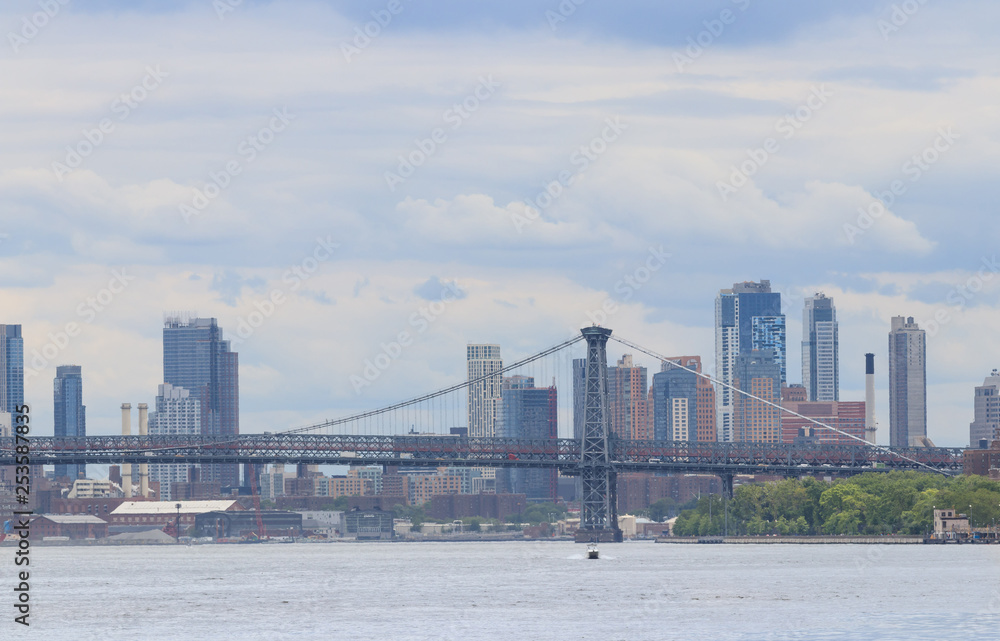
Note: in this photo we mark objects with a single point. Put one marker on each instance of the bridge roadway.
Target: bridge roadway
(432, 451)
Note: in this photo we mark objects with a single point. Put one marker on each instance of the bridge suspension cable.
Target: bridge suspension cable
(433, 395)
(716, 381)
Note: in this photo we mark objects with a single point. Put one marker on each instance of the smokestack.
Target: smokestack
(127, 467)
(143, 467)
(870, 427)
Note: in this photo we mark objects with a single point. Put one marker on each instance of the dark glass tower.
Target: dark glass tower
(528, 412)
(196, 358)
(70, 413)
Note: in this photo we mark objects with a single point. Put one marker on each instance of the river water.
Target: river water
(511, 590)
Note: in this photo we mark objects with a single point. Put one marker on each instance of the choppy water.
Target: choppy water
(466, 591)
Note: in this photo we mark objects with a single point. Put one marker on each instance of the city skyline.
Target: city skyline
(493, 363)
(322, 272)
(353, 262)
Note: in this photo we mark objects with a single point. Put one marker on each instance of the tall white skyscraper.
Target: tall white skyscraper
(747, 317)
(484, 396)
(177, 413)
(907, 383)
(820, 349)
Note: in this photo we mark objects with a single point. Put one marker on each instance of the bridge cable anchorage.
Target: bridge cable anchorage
(881, 448)
(442, 392)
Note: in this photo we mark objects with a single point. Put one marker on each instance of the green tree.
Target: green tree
(661, 510)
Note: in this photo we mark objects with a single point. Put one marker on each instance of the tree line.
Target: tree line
(871, 503)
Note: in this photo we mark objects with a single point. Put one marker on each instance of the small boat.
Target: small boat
(592, 552)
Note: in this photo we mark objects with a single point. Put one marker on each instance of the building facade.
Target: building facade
(70, 413)
(907, 383)
(528, 412)
(177, 413)
(986, 422)
(754, 420)
(196, 357)
(846, 416)
(747, 317)
(681, 403)
(627, 396)
(11, 368)
(484, 396)
(820, 349)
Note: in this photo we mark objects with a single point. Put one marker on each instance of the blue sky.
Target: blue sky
(313, 136)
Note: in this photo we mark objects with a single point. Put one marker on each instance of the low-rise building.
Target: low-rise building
(72, 526)
(326, 523)
(369, 524)
(489, 506)
(94, 489)
(980, 461)
(949, 524)
(156, 514)
(240, 524)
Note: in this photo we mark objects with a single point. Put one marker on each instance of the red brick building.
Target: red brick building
(982, 462)
(639, 490)
(73, 526)
(490, 506)
(846, 416)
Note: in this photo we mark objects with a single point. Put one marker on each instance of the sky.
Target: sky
(314, 174)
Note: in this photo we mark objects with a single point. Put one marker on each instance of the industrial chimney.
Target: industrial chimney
(143, 467)
(127, 467)
(870, 427)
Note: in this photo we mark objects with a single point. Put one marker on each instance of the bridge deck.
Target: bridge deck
(563, 454)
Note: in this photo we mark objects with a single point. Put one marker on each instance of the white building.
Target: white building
(177, 413)
(94, 489)
(484, 396)
(272, 484)
(986, 424)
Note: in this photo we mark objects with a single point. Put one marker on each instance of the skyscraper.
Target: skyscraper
(747, 317)
(176, 413)
(579, 395)
(759, 373)
(820, 349)
(196, 358)
(484, 397)
(986, 423)
(70, 413)
(907, 383)
(528, 412)
(11, 368)
(627, 394)
(681, 403)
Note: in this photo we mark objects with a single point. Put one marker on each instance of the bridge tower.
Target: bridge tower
(599, 509)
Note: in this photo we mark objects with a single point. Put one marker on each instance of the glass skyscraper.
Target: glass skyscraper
(528, 412)
(70, 413)
(820, 349)
(747, 317)
(196, 357)
(11, 368)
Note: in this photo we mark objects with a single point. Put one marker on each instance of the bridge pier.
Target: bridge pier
(727, 485)
(598, 504)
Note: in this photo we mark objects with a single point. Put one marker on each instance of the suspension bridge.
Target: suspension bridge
(418, 433)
